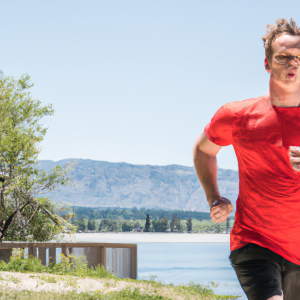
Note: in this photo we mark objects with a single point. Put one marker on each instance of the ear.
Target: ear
(267, 67)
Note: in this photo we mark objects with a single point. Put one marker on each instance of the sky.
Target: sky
(136, 81)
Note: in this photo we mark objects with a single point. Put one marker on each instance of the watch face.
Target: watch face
(216, 202)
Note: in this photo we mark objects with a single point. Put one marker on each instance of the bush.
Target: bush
(71, 265)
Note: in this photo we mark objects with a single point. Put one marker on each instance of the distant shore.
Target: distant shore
(143, 237)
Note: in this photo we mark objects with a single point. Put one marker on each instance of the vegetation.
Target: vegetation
(189, 225)
(161, 226)
(117, 220)
(125, 294)
(148, 224)
(25, 214)
(69, 270)
(135, 214)
(174, 225)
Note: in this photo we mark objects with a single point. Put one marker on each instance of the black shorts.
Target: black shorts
(263, 273)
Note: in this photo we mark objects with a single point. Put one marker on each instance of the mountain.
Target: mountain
(106, 184)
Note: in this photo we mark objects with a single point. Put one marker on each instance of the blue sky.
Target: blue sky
(136, 81)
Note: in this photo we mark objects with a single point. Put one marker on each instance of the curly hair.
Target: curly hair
(282, 27)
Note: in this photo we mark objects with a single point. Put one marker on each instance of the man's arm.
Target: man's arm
(206, 167)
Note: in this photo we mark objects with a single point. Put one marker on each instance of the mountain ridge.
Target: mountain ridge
(113, 184)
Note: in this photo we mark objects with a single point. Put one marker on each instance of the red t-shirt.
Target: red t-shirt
(268, 205)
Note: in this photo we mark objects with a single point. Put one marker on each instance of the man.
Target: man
(265, 134)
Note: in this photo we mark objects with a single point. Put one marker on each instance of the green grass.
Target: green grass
(122, 295)
(70, 269)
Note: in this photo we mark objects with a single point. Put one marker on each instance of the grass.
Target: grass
(71, 269)
(122, 295)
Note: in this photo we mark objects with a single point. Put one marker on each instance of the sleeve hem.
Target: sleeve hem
(212, 139)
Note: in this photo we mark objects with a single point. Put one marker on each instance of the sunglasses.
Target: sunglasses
(284, 59)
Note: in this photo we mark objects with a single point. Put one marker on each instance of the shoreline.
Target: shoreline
(149, 237)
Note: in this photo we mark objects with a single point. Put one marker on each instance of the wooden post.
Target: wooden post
(64, 251)
(32, 251)
(5, 254)
(52, 255)
(22, 253)
(70, 253)
(42, 255)
(133, 262)
(103, 257)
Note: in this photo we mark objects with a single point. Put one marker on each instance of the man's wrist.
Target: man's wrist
(213, 201)
(216, 202)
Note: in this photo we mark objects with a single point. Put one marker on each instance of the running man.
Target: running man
(265, 134)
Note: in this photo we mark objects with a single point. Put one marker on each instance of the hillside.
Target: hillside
(100, 183)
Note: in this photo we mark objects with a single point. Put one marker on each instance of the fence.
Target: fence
(121, 259)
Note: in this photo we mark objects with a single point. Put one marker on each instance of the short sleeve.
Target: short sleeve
(219, 129)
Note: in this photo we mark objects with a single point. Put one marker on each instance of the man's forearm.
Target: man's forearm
(207, 171)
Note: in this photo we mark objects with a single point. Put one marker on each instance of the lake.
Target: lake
(177, 262)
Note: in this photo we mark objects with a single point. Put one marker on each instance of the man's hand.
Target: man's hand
(295, 158)
(220, 210)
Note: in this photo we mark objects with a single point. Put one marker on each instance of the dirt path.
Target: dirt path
(58, 283)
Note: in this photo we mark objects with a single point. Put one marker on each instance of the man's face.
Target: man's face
(286, 75)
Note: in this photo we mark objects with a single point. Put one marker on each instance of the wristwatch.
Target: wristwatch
(215, 203)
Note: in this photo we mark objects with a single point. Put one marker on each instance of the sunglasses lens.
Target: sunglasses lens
(282, 59)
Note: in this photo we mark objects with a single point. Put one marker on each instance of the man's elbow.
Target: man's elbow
(203, 146)
(199, 155)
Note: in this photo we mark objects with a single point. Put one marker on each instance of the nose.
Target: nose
(294, 62)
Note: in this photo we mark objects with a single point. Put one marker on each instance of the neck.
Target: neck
(283, 96)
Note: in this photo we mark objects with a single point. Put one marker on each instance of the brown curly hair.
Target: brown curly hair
(282, 27)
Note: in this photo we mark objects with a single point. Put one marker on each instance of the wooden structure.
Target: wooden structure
(122, 258)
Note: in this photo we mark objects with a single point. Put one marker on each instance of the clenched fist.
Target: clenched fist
(295, 158)
(220, 210)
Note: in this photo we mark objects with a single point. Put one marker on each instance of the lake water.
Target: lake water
(180, 259)
(179, 263)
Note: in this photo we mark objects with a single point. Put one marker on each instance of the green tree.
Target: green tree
(227, 225)
(110, 225)
(172, 223)
(81, 225)
(177, 224)
(25, 214)
(218, 228)
(189, 225)
(156, 226)
(160, 226)
(164, 224)
(91, 224)
(136, 224)
(148, 224)
(126, 226)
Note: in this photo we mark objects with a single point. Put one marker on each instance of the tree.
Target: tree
(177, 224)
(156, 226)
(137, 225)
(25, 214)
(172, 223)
(126, 226)
(148, 224)
(109, 225)
(189, 225)
(164, 224)
(160, 226)
(91, 224)
(227, 225)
